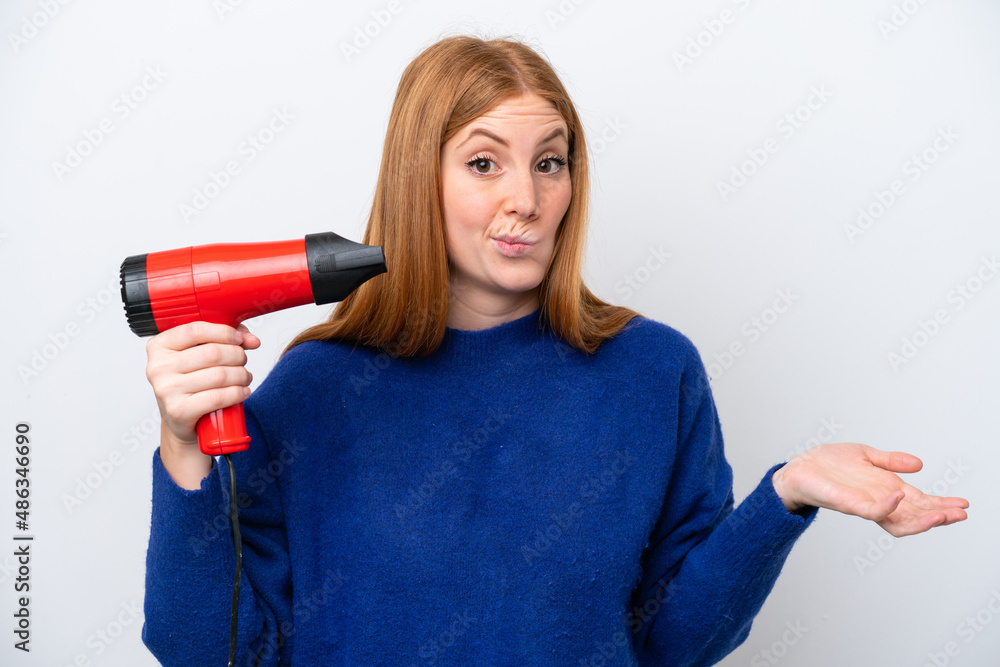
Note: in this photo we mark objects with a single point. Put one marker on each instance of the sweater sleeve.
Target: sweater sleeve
(190, 563)
(707, 569)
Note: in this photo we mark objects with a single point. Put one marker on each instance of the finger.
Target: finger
(250, 341)
(954, 515)
(894, 461)
(195, 333)
(213, 378)
(860, 503)
(953, 509)
(924, 522)
(938, 502)
(186, 409)
(930, 502)
(887, 506)
(207, 402)
(207, 355)
(911, 520)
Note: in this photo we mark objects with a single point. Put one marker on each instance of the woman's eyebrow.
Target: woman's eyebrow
(503, 142)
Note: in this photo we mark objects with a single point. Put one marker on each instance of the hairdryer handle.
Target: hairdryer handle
(223, 431)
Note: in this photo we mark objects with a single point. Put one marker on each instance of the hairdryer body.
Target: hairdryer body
(228, 283)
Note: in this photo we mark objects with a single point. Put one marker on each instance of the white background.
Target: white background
(893, 76)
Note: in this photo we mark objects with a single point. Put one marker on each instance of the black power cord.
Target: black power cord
(234, 518)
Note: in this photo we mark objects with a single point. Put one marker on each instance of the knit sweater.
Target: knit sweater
(507, 500)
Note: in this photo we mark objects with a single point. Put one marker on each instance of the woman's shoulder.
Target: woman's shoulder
(666, 355)
(307, 355)
(310, 364)
(645, 333)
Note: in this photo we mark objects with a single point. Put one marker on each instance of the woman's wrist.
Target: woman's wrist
(185, 462)
(784, 493)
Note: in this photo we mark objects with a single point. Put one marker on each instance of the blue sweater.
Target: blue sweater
(507, 500)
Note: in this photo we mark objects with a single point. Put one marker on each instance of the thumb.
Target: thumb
(887, 506)
(894, 461)
(250, 341)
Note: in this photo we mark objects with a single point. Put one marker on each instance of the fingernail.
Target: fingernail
(239, 337)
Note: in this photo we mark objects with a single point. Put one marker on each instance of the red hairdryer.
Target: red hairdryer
(228, 283)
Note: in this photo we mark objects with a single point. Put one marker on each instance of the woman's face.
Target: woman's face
(505, 187)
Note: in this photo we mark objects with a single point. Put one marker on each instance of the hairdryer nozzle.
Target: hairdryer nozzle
(338, 266)
(135, 296)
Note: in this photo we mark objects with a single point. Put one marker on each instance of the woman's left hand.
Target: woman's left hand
(857, 479)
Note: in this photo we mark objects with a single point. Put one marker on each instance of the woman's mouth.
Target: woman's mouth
(512, 246)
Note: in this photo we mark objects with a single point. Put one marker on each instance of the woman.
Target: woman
(475, 460)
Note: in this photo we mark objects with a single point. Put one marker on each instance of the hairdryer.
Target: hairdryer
(227, 283)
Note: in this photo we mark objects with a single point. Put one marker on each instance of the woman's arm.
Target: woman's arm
(708, 568)
(195, 369)
(190, 563)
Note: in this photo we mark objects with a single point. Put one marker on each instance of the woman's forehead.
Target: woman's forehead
(527, 105)
(535, 115)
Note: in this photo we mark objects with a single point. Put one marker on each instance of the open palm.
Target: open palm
(856, 479)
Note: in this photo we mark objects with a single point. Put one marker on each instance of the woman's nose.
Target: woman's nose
(522, 194)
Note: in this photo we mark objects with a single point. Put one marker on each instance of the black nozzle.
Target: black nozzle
(338, 266)
(135, 296)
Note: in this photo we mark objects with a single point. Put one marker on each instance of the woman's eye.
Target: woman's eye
(551, 165)
(480, 165)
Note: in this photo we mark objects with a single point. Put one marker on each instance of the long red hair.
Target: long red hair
(448, 85)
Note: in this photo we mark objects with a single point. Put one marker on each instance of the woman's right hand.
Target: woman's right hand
(195, 369)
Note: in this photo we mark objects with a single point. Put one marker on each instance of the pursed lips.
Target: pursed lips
(506, 238)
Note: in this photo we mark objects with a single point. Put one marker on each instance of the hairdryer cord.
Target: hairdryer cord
(238, 544)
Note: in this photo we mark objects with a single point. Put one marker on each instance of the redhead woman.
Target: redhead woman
(476, 461)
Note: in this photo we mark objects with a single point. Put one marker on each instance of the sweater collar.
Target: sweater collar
(519, 333)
